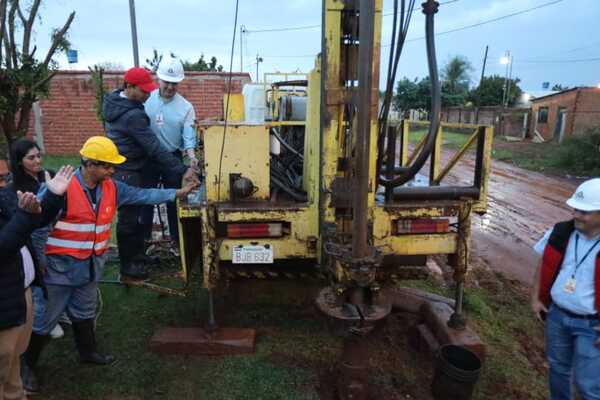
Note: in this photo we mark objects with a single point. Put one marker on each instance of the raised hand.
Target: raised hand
(58, 185)
(28, 202)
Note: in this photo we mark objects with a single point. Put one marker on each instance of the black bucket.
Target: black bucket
(456, 372)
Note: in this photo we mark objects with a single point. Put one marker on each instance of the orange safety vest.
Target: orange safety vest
(82, 230)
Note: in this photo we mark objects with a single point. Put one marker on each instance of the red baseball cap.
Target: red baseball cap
(141, 78)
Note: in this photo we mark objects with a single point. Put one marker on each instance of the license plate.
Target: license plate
(253, 254)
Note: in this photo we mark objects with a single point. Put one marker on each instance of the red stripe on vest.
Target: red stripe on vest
(80, 212)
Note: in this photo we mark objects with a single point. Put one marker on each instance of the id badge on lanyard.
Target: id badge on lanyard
(160, 119)
(571, 283)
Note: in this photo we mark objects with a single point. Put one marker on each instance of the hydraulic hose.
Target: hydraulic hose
(429, 9)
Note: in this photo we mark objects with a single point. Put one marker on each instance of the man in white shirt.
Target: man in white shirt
(566, 295)
(172, 120)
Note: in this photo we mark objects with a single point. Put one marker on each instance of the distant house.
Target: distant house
(566, 113)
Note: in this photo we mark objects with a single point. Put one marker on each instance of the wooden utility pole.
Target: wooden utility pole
(484, 63)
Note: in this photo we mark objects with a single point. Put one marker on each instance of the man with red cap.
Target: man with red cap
(128, 126)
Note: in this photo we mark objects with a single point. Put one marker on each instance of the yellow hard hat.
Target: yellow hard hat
(100, 148)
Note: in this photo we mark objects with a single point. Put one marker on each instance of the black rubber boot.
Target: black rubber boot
(29, 361)
(135, 269)
(85, 339)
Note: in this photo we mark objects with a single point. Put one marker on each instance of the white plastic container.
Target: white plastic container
(255, 107)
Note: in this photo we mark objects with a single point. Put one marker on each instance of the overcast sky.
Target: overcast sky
(551, 44)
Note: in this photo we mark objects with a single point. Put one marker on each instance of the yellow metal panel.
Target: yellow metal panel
(472, 139)
(421, 244)
(404, 139)
(304, 225)
(436, 154)
(246, 152)
(312, 135)
(236, 107)
(480, 206)
(445, 243)
(300, 215)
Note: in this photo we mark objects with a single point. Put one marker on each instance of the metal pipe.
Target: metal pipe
(391, 159)
(436, 193)
(212, 323)
(134, 39)
(429, 8)
(361, 165)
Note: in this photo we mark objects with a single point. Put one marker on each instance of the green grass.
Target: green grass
(295, 353)
(498, 310)
(451, 139)
(130, 317)
(55, 162)
(578, 155)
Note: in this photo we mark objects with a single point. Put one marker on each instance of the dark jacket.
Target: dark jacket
(28, 184)
(15, 230)
(128, 126)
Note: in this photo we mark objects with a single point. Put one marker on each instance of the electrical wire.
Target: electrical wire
(559, 61)
(418, 8)
(405, 19)
(299, 28)
(489, 21)
(237, 3)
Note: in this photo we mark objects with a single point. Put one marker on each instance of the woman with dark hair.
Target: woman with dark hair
(26, 166)
(27, 176)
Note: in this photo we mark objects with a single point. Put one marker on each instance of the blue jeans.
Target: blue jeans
(572, 355)
(152, 176)
(78, 301)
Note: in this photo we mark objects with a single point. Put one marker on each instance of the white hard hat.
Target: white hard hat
(586, 196)
(170, 70)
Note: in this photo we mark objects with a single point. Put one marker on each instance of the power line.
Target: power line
(291, 56)
(560, 61)
(489, 21)
(418, 8)
(294, 28)
(299, 28)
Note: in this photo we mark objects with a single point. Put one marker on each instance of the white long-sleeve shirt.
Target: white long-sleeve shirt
(172, 121)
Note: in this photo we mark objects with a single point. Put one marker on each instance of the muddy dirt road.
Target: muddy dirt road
(522, 205)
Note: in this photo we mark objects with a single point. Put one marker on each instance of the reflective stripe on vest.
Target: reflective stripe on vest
(82, 231)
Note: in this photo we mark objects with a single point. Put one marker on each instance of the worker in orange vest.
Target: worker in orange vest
(76, 249)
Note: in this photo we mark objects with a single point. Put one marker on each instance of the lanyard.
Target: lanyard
(578, 263)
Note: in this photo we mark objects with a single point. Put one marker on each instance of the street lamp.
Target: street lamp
(258, 60)
(507, 60)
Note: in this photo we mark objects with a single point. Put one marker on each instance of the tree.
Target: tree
(110, 66)
(491, 90)
(559, 88)
(456, 75)
(24, 79)
(202, 65)
(413, 95)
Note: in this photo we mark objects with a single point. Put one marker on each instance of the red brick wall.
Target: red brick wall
(587, 113)
(553, 102)
(69, 118)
